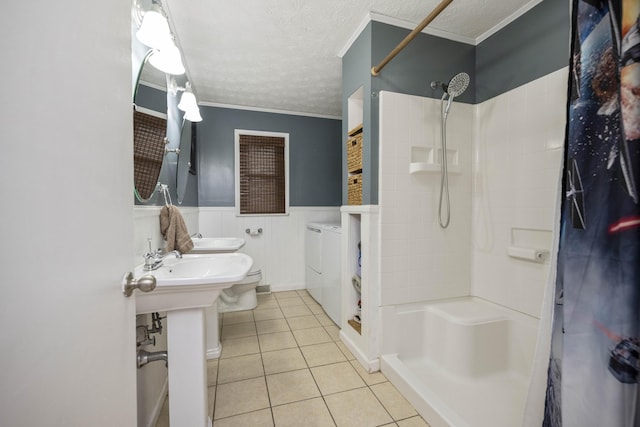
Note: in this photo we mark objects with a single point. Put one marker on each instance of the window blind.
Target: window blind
(262, 174)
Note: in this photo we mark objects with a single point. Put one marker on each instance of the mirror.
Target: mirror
(149, 127)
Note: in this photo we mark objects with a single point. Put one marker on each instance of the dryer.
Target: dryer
(313, 260)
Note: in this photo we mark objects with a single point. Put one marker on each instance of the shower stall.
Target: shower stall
(457, 315)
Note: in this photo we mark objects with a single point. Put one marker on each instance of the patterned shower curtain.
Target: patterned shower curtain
(594, 363)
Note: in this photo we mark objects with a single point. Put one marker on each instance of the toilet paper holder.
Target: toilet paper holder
(253, 231)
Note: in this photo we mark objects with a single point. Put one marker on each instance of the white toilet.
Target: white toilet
(241, 296)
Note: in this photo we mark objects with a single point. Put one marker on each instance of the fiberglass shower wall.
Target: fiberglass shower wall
(519, 137)
(419, 260)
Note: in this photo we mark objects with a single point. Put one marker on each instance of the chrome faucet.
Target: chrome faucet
(153, 260)
(197, 235)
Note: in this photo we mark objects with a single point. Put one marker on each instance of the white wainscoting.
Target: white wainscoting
(279, 249)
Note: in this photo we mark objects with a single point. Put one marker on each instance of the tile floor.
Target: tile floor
(283, 364)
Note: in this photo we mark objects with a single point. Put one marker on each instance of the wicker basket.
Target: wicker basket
(354, 154)
(354, 187)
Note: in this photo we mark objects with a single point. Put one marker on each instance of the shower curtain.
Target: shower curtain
(592, 377)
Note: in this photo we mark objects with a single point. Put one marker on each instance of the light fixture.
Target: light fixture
(154, 30)
(168, 59)
(188, 102)
(193, 115)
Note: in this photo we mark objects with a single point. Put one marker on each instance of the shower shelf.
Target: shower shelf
(416, 167)
(426, 159)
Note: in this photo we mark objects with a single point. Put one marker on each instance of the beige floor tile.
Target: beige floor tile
(271, 326)
(370, 379)
(302, 292)
(240, 397)
(333, 331)
(240, 368)
(265, 304)
(316, 309)
(308, 413)
(322, 354)
(283, 361)
(211, 399)
(285, 294)
(260, 418)
(413, 422)
(336, 377)
(308, 299)
(238, 330)
(212, 372)
(324, 319)
(357, 407)
(347, 353)
(311, 336)
(291, 386)
(239, 347)
(303, 322)
(296, 310)
(234, 317)
(390, 425)
(393, 401)
(268, 314)
(277, 341)
(288, 302)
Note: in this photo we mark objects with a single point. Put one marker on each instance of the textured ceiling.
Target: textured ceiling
(283, 54)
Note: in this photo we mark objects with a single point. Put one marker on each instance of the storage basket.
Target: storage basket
(354, 187)
(354, 154)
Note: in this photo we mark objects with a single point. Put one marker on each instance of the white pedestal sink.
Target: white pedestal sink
(184, 287)
(214, 245)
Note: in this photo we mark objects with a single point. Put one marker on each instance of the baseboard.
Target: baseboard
(369, 365)
(157, 408)
(288, 287)
(214, 353)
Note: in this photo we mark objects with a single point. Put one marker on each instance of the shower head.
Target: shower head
(458, 84)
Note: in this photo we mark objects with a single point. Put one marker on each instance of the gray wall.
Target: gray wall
(531, 47)
(356, 73)
(314, 155)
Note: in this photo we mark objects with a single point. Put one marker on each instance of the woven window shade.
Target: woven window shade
(149, 134)
(262, 174)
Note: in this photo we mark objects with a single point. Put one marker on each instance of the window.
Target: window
(262, 173)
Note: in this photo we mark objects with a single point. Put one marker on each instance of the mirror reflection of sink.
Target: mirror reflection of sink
(216, 244)
(192, 281)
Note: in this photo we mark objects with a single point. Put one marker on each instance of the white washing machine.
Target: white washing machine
(313, 260)
(331, 270)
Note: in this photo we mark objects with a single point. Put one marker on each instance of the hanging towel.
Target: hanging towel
(174, 230)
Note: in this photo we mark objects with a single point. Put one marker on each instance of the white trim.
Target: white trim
(369, 365)
(411, 26)
(359, 29)
(267, 110)
(236, 144)
(508, 20)
(372, 16)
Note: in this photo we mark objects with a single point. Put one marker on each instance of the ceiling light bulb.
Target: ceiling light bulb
(193, 115)
(154, 30)
(188, 102)
(168, 60)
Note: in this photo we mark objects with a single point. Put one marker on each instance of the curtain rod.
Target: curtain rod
(426, 21)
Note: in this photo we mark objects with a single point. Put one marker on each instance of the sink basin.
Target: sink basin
(191, 281)
(216, 244)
